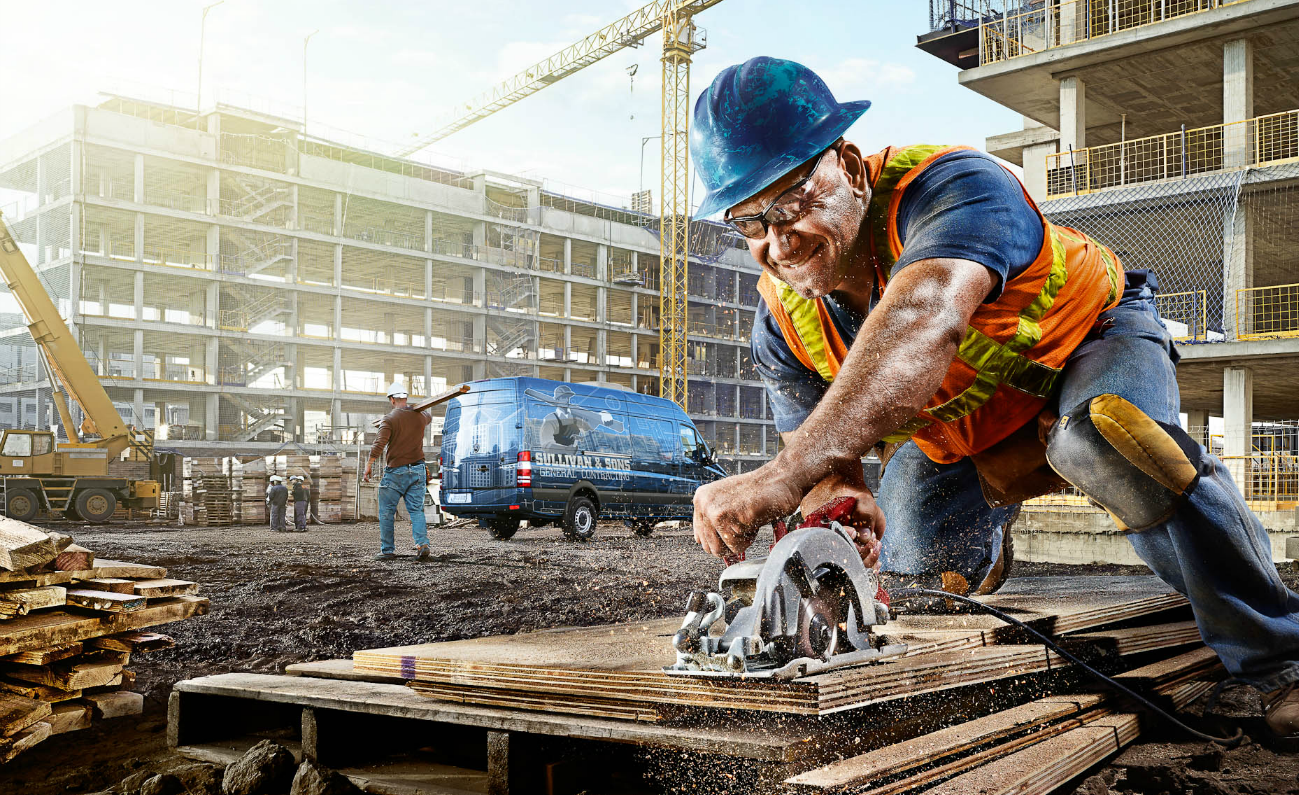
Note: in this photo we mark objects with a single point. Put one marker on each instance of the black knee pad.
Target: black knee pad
(1135, 467)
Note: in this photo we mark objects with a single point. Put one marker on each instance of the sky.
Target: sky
(390, 71)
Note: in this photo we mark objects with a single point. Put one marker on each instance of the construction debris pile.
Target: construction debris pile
(228, 491)
(68, 626)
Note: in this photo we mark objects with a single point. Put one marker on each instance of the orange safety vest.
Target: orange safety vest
(1014, 348)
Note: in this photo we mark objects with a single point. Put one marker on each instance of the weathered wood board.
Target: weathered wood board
(24, 546)
(158, 588)
(59, 626)
(105, 601)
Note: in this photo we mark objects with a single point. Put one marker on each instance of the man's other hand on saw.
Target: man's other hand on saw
(866, 525)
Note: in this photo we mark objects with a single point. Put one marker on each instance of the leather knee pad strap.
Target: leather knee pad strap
(1136, 468)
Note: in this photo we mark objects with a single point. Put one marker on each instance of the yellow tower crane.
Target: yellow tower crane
(681, 40)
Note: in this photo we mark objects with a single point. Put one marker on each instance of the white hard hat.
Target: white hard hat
(396, 390)
(276, 478)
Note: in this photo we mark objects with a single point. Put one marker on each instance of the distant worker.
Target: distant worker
(918, 297)
(277, 498)
(405, 477)
(301, 497)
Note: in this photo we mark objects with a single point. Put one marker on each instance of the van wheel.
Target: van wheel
(503, 528)
(642, 527)
(96, 505)
(21, 504)
(579, 519)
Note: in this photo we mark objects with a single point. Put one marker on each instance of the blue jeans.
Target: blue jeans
(401, 483)
(1214, 550)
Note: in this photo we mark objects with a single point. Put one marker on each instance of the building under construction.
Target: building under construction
(241, 285)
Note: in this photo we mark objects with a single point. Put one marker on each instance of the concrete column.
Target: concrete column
(428, 279)
(602, 262)
(338, 317)
(338, 214)
(211, 416)
(137, 405)
(139, 295)
(568, 300)
(601, 304)
(211, 361)
(338, 265)
(138, 240)
(601, 348)
(1238, 256)
(428, 230)
(336, 372)
(211, 307)
(635, 346)
(568, 255)
(137, 353)
(1035, 169)
(1237, 100)
(1237, 420)
(101, 357)
(568, 346)
(428, 327)
(1197, 423)
(1073, 113)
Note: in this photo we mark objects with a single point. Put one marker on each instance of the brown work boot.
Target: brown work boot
(423, 554)
(1282, 716)
(1000, 571)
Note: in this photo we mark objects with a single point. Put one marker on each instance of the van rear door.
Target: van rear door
(480, 447)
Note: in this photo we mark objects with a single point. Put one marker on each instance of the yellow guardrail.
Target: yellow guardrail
(1269, 481)
(1190, 309)
(1043, 25)
(1267, 312)
(1262, 140)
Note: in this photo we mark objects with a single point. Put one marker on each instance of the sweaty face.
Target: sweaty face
(809, 252)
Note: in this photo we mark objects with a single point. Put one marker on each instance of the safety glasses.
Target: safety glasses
(784, 209)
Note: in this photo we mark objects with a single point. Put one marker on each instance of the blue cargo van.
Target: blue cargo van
(549, 451)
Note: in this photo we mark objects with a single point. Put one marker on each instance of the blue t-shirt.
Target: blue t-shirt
(963, 206)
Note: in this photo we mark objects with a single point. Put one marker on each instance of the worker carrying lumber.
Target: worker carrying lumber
(918, 297)
(301, 498)
(277, 499)
(401, 434)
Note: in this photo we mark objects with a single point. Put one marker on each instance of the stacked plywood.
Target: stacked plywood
(329, 489)
(250, 484)
(347, 507)
(68, 626)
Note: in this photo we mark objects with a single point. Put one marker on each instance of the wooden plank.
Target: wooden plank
(928, 749)
(104, 601)
(21, 601)
(338, 669)
(1201, 659)
(24, 740)
(68, 675)
(132, 642)
(35, 579)
(115, 705)
(154, 589)
(52, 695)
(69, 716)
(18, 712)
(603, 708)
(1042, 768)
(132, 571)
(47, 655)
(111, 584)
(59, 626)
(24, 546)
(74, 558)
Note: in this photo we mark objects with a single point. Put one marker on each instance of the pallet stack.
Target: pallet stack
(329, 489)
(68, 626)
(250, 484)
(347, 507)
(208, 488)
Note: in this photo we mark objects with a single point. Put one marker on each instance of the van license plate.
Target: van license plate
(459, 497)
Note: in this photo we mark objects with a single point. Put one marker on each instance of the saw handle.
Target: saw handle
(837, 510)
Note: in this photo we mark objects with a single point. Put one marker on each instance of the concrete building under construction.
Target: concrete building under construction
(1170, 131)
(241, 285)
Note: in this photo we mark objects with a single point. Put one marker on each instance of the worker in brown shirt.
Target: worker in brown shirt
(401, 434)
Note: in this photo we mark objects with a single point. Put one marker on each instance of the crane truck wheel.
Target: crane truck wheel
(21, 504)
(96, 505)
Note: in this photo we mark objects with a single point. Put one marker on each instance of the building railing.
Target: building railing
(1269, 481)
(1262, 140)
(1189, 309)
(1040, 25)
(1267, 312)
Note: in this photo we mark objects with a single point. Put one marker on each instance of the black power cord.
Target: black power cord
(915, 593)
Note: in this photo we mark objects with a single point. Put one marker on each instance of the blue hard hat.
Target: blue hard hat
(758, 121)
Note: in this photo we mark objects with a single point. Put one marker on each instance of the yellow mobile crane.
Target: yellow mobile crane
(38, 473)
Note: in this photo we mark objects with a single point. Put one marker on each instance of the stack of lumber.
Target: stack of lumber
(347, 505)
(68, 626)
(329, 489)
(209, 490)
(250, 483)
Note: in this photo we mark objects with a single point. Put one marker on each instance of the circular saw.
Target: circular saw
(809, 606)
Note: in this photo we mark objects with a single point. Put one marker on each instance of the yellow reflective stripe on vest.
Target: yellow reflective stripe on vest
(802, 312)
(891, 173)
(908, 429)
(1002, 363)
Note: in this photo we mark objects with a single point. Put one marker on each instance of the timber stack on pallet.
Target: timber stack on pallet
(347, 506)
(329, 489)
(972, 707)
(68, 626)
(208, 489)
(250, 483)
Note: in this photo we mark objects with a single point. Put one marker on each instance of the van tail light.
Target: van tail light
(523, 471)
(439, 474)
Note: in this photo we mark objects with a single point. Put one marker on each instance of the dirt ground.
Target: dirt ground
(278, 599)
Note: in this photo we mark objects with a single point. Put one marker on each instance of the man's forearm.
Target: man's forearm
(896, 363)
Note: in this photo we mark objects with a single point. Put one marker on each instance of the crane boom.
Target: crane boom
(59, 347)
(629, 31)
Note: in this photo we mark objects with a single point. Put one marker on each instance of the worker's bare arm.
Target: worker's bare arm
(894, 367)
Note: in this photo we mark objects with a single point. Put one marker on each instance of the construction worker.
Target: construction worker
(301, 497)
(277, 498)
(918, 297)
(401, 434)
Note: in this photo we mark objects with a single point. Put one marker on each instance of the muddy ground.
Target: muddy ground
(278, 599)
